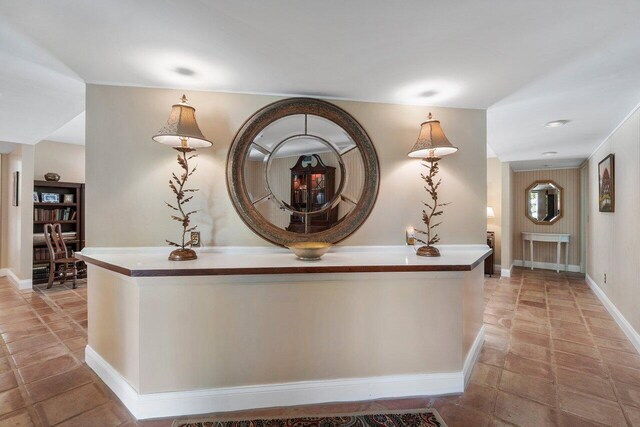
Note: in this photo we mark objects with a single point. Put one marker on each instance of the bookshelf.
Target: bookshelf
(69, 214)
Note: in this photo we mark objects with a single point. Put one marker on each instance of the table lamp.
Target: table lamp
(182, 133)
(431, 146)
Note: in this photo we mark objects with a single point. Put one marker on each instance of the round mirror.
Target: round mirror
(302, 170)
(544, 202)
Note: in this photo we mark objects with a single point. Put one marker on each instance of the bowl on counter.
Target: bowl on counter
(309, 251)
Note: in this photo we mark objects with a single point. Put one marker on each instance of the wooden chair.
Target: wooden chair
(60, 263)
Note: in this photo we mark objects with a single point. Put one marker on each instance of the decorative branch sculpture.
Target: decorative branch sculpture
(177, 185)
(433, 209)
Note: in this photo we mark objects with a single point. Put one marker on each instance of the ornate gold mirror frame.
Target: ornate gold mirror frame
(238, 153)
(526, 202)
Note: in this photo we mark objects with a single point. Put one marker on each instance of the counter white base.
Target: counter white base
(173, 404)
(242, 329)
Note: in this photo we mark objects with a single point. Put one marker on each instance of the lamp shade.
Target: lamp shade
(182, 129)
(490, 213)
(432, 141)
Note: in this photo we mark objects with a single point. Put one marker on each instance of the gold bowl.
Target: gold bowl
(309, 251)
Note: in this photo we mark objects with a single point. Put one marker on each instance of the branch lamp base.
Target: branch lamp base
(431, 251)
(182, 255)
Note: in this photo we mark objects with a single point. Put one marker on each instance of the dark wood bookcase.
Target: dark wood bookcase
(488, 262)
(312, 186)
(70, 215)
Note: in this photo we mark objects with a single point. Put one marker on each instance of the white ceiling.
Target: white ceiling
(38, 92)
(527, 62)
(71, 132)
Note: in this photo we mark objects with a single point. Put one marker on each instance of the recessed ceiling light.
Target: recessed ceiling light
(429, 92)
(549, 153)
(556, 123)
(184, 71)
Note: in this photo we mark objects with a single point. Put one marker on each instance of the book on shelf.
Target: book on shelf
(66, 214)
(69, 235)
(40, 272)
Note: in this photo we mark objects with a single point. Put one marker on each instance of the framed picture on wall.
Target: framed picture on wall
(606, 184)
(15, 201)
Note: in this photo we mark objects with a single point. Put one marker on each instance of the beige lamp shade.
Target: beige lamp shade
(432, 142)
(182, 129)
(490, 213)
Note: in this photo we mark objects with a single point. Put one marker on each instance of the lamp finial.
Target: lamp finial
(184, 99)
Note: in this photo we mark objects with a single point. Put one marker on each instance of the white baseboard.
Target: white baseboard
(546, 265)
(626, 327)
(21, 284)
(506, 272)
(472, 355)
(173, 404)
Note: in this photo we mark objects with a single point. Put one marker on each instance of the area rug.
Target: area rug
(418, 418)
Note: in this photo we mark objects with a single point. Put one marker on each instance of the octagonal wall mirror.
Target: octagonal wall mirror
(544, 201)
(302, 169)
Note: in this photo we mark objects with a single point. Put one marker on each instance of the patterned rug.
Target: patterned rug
(419, 418)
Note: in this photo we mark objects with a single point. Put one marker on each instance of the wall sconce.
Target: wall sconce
(183, 135)
(490, 213)
(431, 145)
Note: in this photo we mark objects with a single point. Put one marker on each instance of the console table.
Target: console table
(559, 239)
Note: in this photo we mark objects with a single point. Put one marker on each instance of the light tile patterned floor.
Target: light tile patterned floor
(552, 356)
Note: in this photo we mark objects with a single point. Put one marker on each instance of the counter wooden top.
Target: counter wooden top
(153, 262)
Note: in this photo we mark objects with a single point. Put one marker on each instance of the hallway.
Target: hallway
(552, 356)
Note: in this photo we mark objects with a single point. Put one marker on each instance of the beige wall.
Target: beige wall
(127, 172)
(613, 246)
(67, 160)
(569, 180)
(494, 200)
(507, 213)
(17, 222)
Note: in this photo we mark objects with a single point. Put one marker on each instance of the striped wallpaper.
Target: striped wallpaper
(569, 180)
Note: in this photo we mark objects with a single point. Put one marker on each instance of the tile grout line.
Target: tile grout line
(604, 364)
(94, 377)
(29, 401)
(554, 367)
(515, 310)
(20, 385)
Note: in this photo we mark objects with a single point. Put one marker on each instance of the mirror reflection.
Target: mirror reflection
(304, 174)
(544, 202)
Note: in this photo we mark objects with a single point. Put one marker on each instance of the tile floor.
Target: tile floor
(552, 356)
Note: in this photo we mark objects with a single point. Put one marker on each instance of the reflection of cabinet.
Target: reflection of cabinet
(312, 185)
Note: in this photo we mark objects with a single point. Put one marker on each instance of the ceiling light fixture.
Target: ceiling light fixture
(549, 153)
(556, 123)
(427, 92)
(184, 71)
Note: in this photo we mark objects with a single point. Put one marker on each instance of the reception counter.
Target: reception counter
(246, 327)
